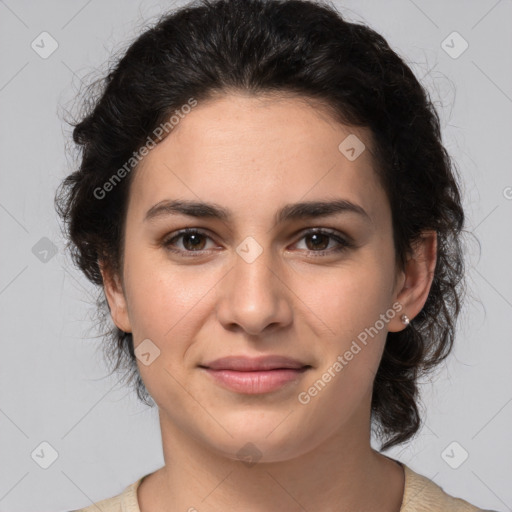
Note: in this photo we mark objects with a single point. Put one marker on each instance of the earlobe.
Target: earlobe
(418, 277)
(115, 297)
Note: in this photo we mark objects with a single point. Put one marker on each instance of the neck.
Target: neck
(343, 473)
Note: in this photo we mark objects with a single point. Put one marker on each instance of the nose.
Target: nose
(254, 296)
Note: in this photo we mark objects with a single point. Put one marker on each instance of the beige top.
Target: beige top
(420, 495)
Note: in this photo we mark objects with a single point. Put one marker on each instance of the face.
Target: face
(260, 280)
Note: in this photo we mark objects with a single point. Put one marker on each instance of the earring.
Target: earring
(405, 320)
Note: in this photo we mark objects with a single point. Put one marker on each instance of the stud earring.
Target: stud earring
(405, 320)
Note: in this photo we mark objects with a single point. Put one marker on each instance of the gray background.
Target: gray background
(52, 376)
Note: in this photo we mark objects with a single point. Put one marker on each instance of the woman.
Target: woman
(265, 201)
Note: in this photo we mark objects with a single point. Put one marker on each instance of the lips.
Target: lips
(255, 376)
(254, 364)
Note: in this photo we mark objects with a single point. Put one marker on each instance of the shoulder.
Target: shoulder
(423, 495)
(123, 502)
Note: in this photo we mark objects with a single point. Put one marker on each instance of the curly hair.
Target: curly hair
(279, 46)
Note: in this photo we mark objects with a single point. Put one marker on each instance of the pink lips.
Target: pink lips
(255, 375)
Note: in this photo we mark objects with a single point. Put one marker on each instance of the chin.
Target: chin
(263, 442)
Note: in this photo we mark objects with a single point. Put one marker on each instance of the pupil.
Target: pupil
(193, 237)
(316, 237)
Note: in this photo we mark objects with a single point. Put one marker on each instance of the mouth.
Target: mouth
(255, 375)
(247, 364)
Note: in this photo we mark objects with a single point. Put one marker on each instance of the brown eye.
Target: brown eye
(192, 240)
(319, 240)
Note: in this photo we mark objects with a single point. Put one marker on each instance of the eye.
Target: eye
(321, 239)
(193, 240)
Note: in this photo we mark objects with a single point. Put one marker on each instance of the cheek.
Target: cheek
(350, 351)
(347, 299)
(163, 298)
(167, 305)
(351, 303)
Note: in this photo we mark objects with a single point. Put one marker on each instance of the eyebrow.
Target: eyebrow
(294, 211)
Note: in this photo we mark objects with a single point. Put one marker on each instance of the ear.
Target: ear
(115, 297)
(416, 279)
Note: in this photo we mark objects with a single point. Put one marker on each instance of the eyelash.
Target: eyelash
(343, 243)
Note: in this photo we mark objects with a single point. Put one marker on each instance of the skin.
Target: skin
(253, 155)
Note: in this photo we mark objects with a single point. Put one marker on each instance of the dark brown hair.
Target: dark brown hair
(273, 46)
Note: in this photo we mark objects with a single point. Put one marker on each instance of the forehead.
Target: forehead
(257, 153)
